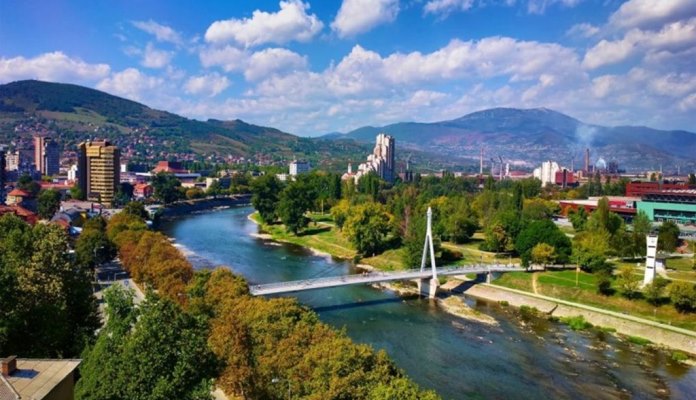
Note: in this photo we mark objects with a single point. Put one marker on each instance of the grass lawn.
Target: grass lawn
(321, 238)
(561, 285)
(516, 280)
(681, 263)
(390, 260)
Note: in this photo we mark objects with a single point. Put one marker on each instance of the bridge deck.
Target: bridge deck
(374, 277)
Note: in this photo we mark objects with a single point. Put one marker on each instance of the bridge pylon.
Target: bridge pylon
(428, 287)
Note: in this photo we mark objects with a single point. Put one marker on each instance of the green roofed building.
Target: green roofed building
(670, 205)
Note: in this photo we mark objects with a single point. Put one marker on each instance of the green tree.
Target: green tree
(668, 236)
(654, 291)
(76, 193)
(692, 179)
(339, 213)
(93, 247)
(136, 209)
(265, 191)
(604, 282)
(26, 183)
(590, 250)
(367, 227)
(51, 311)
(543, 231)
(641, 228)
(48, 203)
(161, 354)
(628, 282)
(578, 218)
(166, 187)
(683, 295)
(369, 184)
(295, 200)
(543, 253)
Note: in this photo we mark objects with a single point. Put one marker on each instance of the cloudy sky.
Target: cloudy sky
(312, 67)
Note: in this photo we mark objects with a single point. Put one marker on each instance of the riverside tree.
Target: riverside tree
(265, 191)
(294, 201)
(367, 227)
(156, 351)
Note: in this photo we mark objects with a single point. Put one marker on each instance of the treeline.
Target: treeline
(196, 329)
(46, 302)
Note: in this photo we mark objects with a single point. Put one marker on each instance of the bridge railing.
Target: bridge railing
(395, 275)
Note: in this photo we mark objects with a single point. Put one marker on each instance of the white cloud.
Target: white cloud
(130, 83)
(161, 32)
(210, 84)
(447, 6)
(584, 30)
(257, 65)
(539, 6)
(264, 63)
(55, 66)
(155, 58)
(229, 58)
(359, 16)
(290, 23)
(651, 13)
(674, 37)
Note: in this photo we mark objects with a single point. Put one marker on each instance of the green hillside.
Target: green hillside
(75, 113)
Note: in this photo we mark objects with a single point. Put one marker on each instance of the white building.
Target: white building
(12, 161)
(299, 167)
(72, 173)
(547, 172)
(381, 161)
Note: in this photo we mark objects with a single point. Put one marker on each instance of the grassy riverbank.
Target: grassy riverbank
(323, 237)
(562, 285)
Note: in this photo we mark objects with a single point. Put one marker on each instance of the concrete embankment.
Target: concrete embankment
(661, 334)
(189, 206)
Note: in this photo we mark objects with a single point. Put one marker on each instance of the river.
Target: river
(460, 359)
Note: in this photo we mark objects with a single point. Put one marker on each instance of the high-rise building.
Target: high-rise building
(381, 161)
(98, 171)
(46, 155)
(12, 160)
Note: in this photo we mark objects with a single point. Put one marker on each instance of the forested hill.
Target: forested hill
(539, 134)
(76, 113)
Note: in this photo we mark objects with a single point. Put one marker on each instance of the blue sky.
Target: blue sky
(312, 67)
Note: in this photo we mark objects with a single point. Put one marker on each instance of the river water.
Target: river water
(460, 359)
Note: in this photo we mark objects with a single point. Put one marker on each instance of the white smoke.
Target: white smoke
(584, 135)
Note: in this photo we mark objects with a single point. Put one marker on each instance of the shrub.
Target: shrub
(576, 323)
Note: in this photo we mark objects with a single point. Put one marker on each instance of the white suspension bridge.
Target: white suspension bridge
(427, 279)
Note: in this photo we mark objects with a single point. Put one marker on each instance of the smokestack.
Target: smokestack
(587, 160)
(9, 365)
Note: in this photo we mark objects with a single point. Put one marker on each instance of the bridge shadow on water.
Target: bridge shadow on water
(359, 304)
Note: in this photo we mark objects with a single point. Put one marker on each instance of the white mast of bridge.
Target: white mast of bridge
(425, 287)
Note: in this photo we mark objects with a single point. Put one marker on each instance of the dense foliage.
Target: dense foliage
(47, 305)
(177, 341)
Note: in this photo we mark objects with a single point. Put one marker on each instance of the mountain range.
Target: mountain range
(535, 135)
(522, 136)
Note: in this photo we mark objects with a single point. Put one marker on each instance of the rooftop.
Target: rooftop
(19, 192)
(35, 378)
